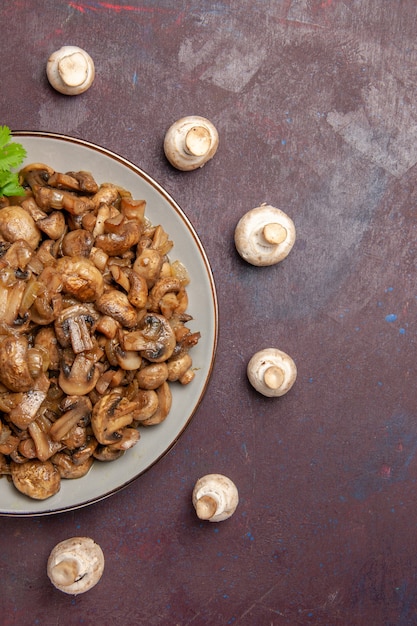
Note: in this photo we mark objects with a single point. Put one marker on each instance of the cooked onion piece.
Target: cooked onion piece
(93, 327)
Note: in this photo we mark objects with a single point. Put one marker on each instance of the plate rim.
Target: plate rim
(174, 204)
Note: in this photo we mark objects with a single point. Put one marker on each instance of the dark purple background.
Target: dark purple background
(315, 104)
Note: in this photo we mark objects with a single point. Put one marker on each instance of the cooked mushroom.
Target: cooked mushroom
(154, 339)
(272, 372)
(80, 376)
(70, 70)
(36, 479)
(215, 497)
(77, 243)
(110, 415)
(190, 142)
(74, 409)
(14, 370)
(75, 565)
(16, 223)
(24, 411)
(80, 278)
(116, 304)
(264, 235)
(164, 397)
(73, 327)
(122, 237)
(152, 376)
(68, 468)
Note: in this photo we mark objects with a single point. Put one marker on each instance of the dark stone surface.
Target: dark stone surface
(314, 101)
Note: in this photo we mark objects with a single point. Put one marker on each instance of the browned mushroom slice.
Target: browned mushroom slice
(121, 238)
(73, 327)
(14, 370)
(70, 470)
(164, 406)
(116, 304)
(53, 225)
(85, 180)
(154, 339)
(79, 377)
(80, 278)
(146, 404)
(49, 197)
(74, 409)
(35, 175)
(25, 412)
(44, 444)
(111, 414)
(162, 287)
(107, 454)
(36, 479)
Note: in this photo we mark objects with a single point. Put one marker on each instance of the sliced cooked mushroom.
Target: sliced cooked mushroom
(120, 240)
(73, 327)
(116, 304)
(154, 339)
(29, 402)
(75, 565)
(79, 377)
(14, 370)
(74, 409)
(68, 469)
(110, 415)
(164, 396)
(36, 479)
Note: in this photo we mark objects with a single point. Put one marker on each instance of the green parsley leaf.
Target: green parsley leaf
(11, 156)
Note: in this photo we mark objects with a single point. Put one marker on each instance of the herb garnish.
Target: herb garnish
(11, 155)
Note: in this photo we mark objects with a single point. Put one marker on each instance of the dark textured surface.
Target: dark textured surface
(314, 101)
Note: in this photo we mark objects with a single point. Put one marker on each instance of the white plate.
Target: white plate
(65, 154)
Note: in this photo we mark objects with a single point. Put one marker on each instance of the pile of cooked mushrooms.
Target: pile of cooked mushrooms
(93, 327)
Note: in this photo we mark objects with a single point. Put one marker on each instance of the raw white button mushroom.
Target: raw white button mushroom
(70, 70)
(190, 142)
(272, 372)
(215, 497)
(75, 565)
(264, 235)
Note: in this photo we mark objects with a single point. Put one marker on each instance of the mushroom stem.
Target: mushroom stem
(197, 141)
(274, 377)
(206, 507)
(274, 233)
(73, 69)
(66, 572)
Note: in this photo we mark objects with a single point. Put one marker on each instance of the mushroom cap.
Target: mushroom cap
(271, 372)
(75, 565)
(190, 142)
(215, 497)
(70, 70)
(265, 235)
